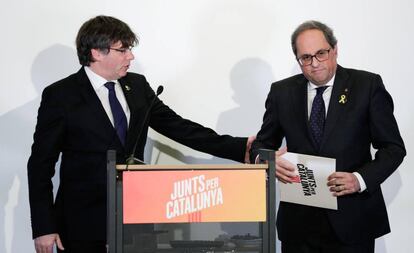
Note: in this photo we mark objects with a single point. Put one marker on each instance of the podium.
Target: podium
(191, 208)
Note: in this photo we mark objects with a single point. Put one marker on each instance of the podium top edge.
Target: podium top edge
(194, 167)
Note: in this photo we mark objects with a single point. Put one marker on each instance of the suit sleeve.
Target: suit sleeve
(270, 135)
(41, 165)
(385, 137)
(165, 121)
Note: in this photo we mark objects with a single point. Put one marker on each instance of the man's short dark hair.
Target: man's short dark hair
(100, 33)
(313, 25)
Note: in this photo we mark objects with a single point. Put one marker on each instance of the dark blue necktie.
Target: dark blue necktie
(317, 117)
(120, 120)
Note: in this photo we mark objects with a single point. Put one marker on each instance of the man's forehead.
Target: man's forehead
(311, 41)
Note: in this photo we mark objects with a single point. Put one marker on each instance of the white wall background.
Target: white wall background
(216, 60)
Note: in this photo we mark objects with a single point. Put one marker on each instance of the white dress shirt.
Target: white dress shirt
(98, 83)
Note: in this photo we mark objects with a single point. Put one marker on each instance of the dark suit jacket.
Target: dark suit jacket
(351, 128)
(72, 122)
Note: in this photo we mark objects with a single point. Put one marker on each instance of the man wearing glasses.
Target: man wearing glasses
(99, 108)
(335, 112)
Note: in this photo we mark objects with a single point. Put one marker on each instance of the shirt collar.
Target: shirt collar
(312, 86)
(96, 80)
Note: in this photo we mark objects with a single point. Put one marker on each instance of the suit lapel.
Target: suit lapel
(299, 98)
(100, 117)
(135, 100)
(337, 102)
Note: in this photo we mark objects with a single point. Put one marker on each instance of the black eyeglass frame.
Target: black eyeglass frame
(300, 59)
(121, 50)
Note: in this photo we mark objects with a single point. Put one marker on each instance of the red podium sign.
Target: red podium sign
(194, 196)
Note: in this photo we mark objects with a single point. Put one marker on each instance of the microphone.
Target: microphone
(132, 159)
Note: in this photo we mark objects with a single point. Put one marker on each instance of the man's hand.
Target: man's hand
(343, 183)
(285, 170)
(45, 243)
(250, 140)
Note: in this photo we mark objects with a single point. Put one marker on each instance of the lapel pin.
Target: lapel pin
(127, 88)
(342, 99)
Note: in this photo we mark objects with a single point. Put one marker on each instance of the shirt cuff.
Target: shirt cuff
(361, 182)
(257, 160)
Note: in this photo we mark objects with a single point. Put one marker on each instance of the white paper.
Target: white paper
(310, 187)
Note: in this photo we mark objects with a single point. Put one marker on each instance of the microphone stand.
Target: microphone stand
(131, 160)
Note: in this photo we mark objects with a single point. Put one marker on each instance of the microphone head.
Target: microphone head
(160, 89)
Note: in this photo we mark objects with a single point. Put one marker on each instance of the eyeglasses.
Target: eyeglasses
(307, 59)
(122, 50)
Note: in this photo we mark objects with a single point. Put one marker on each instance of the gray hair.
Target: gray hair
(313, 25)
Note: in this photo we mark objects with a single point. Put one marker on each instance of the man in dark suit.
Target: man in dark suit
(359, 113)
(99, 108)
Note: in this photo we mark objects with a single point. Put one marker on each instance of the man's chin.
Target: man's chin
(319, 80)
(122, 74)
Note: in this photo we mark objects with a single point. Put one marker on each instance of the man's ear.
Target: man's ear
(336, 50)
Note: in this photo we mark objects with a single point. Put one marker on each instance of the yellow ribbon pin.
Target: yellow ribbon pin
(342, 99)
